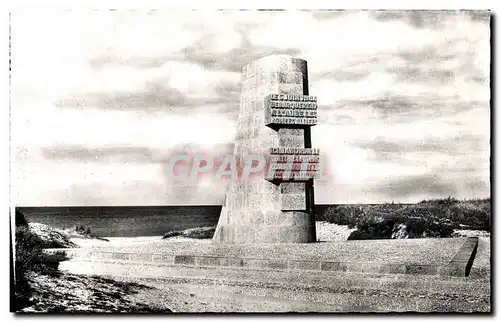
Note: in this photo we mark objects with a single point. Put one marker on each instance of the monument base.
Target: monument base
(400, 256)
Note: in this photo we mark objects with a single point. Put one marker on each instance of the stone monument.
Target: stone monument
(275, 118)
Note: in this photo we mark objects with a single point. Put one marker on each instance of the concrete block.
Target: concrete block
(255, 263)
(463, 260)
(184, 260)
(277, 264)
(353, 267)
(163, 258)
(293, 187)
(268, 234)
(333, 266)
(231, 262)
(141, 257)
(208, 261)
(290, 77)
(118, 256)
(244, 233)
(417, 269)
(293, 202)
(393, 269)
(383, 268)
(289, 88)
(304, 265)
(450, 270)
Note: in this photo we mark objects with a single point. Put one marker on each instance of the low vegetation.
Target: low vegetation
(50, 237)
(429, 218)
(29, 261)
(62, 292)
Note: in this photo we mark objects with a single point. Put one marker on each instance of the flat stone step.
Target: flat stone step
(313, 280)
(449, 260)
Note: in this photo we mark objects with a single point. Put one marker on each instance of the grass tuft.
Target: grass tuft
(428, 218)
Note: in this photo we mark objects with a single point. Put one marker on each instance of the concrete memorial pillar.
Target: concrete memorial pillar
(275, 118)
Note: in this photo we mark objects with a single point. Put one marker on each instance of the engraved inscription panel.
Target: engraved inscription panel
(284, 109)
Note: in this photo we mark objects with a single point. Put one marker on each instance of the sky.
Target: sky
(100, 99)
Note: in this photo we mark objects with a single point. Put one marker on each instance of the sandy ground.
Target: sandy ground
(470, 233)
(332, 232)
(283, 298)
(134, 241)
(226, 290)
(325, 232)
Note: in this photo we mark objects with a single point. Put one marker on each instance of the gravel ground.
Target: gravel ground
(353, 294)
(135, 241)
(271, 299)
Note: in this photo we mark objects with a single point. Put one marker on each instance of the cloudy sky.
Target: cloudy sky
(101, 98)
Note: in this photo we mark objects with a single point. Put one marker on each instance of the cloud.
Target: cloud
(99, 194)
(95, 128)
(329, 14)
(158, 95)
(477, 185)
(83, 195)
(99, 154)
(346, 74)
(109, 58)
(416, 185)
(440, 145)
(101, 98)
(414, 107)
(154, 96)
(416, 188)
(227, 49)
(428, 18)
(234, 59)
(479, 15)
(391, 109)
(416, 18)
(127, 154)
(463, 153)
